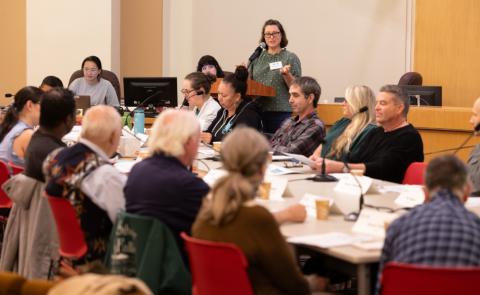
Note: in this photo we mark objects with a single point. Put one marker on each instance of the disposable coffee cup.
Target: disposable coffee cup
(323, 209)
(264, 190)
(217, 145)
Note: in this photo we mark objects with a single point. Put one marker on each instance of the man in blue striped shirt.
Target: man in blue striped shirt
(441, 232)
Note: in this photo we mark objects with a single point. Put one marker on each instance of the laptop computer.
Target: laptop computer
(82, 102)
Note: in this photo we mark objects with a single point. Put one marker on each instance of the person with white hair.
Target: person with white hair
(162, 186)
(84, 175)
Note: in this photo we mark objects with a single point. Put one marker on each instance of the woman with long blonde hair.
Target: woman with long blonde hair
(231, 215)
(348, 133)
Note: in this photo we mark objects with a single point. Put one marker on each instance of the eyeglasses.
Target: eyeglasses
(92, 70)
(271, 35)
(186, 91)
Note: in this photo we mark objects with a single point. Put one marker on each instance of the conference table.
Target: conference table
(349, 260)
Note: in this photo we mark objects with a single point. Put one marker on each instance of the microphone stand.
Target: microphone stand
(323, 177)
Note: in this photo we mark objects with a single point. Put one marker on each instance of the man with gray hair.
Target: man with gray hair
(389, 150)
(304, 131)
(162, 185)
(441, 232)
(84, 175)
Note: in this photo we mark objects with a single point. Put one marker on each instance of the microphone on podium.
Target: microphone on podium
(257, 52)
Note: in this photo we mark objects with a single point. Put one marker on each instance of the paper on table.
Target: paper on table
(206, 151)
(308, 200)
(347, 184)
(213, 175)
(300, 158)
(280, 158)
(275, 170)
(329, 240)
(373, 222)
(472, 202)
(411, 196)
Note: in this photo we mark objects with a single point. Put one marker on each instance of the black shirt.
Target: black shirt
(247, 113)
(387, 155)
(41, 144)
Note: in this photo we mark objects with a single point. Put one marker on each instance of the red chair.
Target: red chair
(398, 278)
(415, 173)
(15, 169)
(217, 268)
(5, 201)
(70, 234)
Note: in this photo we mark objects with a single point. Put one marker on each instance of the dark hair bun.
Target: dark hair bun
(241, 73)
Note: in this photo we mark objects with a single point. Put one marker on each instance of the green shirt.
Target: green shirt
(260, 71)
(336, 130)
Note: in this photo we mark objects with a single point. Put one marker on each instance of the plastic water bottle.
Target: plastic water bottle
(139, 121)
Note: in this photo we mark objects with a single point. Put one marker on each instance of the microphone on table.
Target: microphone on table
(323, 176)
(257, 52)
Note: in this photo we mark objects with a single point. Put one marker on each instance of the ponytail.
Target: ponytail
(21, 98)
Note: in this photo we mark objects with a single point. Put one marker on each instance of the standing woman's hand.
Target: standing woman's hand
(287, 76)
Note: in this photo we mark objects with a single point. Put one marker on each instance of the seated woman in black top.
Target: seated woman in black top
(236, 109)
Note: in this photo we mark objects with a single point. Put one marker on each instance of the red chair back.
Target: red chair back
(415, 173)
(70, 234)
(15, 169)
(398, 278)
(217, 268)
(5, 201)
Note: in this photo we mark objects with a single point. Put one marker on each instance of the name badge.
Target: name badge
(275, 65)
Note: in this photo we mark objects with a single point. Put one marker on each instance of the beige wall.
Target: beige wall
(141, 38)
(339, 42)
(61, 33)
(447, 47)
(13, 71)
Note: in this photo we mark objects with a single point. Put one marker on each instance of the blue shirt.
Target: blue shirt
(441, 232)
(6, 146)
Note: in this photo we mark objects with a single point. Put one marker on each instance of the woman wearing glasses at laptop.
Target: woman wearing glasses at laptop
(16, 129)
(236, 110)
(347, 134)
(275, 67)
(92, 84)
(196, 90)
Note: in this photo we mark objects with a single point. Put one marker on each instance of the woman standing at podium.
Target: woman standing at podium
(275, 67)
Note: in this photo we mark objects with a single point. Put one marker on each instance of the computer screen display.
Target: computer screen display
(423, 95)
(150, 91)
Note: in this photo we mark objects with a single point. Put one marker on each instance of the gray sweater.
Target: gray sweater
(100, 93)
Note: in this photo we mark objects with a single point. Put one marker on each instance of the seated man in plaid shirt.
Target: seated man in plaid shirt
(441, 232)
(304, 131)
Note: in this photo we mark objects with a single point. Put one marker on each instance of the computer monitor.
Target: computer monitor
(150, 91)
(423, 95)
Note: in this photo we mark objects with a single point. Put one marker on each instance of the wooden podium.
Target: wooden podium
(254, 88)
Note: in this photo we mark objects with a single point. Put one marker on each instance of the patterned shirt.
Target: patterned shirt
(439, 233)
(299, 136)
(261, 72)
